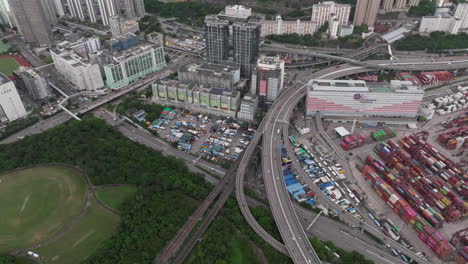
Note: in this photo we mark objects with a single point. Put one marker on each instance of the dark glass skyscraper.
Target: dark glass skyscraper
(217, 39)
(240, 47)
(245, 41)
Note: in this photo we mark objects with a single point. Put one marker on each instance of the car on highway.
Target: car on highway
(279, 107)
(337, 66)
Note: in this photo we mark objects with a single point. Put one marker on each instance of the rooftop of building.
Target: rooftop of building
(132, 51)
(330, 3)
(71, 56)
(210, 68)
(29, 73)
(395, 86)
(4, 79)
(196, 87)
(214, 19)
(246, 25)
(248, 99)
(270, 59)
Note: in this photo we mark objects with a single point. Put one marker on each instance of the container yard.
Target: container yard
(405, 76)
(454, 138)
(431, 78)
(451, 103)
(456, 121)
(384, 134)
(422, 186)
(352, 141)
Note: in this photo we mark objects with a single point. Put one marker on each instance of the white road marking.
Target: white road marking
(386, 260)
(83, 237)
(25, 202)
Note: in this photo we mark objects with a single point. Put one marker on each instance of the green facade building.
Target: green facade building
(132, 64)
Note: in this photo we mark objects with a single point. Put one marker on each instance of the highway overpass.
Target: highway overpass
(274, 122)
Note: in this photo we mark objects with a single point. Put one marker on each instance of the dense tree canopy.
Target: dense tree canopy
(166, 194)
(425, 7)
(436, 41)
(192, 13)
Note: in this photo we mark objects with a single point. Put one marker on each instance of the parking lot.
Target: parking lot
(213, 138)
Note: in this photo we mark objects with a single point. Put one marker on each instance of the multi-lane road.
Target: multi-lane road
(297, 245)
(280, 113)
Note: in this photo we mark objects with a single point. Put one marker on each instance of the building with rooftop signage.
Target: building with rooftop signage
(133, 63)
(211, 75)
(197, 98)
(350, 99)
(267, 78)
(11, 106)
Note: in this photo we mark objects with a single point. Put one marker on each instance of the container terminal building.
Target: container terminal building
(396, 102)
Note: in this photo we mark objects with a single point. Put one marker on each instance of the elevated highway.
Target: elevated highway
(357, 54)
(445, 63)
(278, 116)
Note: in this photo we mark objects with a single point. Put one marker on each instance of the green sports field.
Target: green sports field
(114, 197)
(8, 65)
(37, 204)
(96, 226)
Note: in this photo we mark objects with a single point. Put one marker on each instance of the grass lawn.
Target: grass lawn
(4, 47)
(38, 203)
(115, 196)
(242, 251)
(83, 239)
(8, 65)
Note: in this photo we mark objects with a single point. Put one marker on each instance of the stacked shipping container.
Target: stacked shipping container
(456, 121)
(380, 135)
(352, 141)
(433, 239)
(454, 138)
(429, 78)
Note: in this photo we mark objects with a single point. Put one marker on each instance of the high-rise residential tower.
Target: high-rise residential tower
(322, 12)
(217, 39)
(97, 11)
(366, 12)
(462, 13)
(6, 14)
(245, 41)
(134, 8)
(11, 106)
(32, 21)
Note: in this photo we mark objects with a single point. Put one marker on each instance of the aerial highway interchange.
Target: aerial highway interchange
(274, 127)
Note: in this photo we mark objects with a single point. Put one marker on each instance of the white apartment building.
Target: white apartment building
(321, 12)
(82, 73)
(444, 22)
(11, 106)
(462, 13)
(92, 44)
(279, 27)
(333, 25)
(248, 108)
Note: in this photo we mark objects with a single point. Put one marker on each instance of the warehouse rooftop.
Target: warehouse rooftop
(394, 86)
